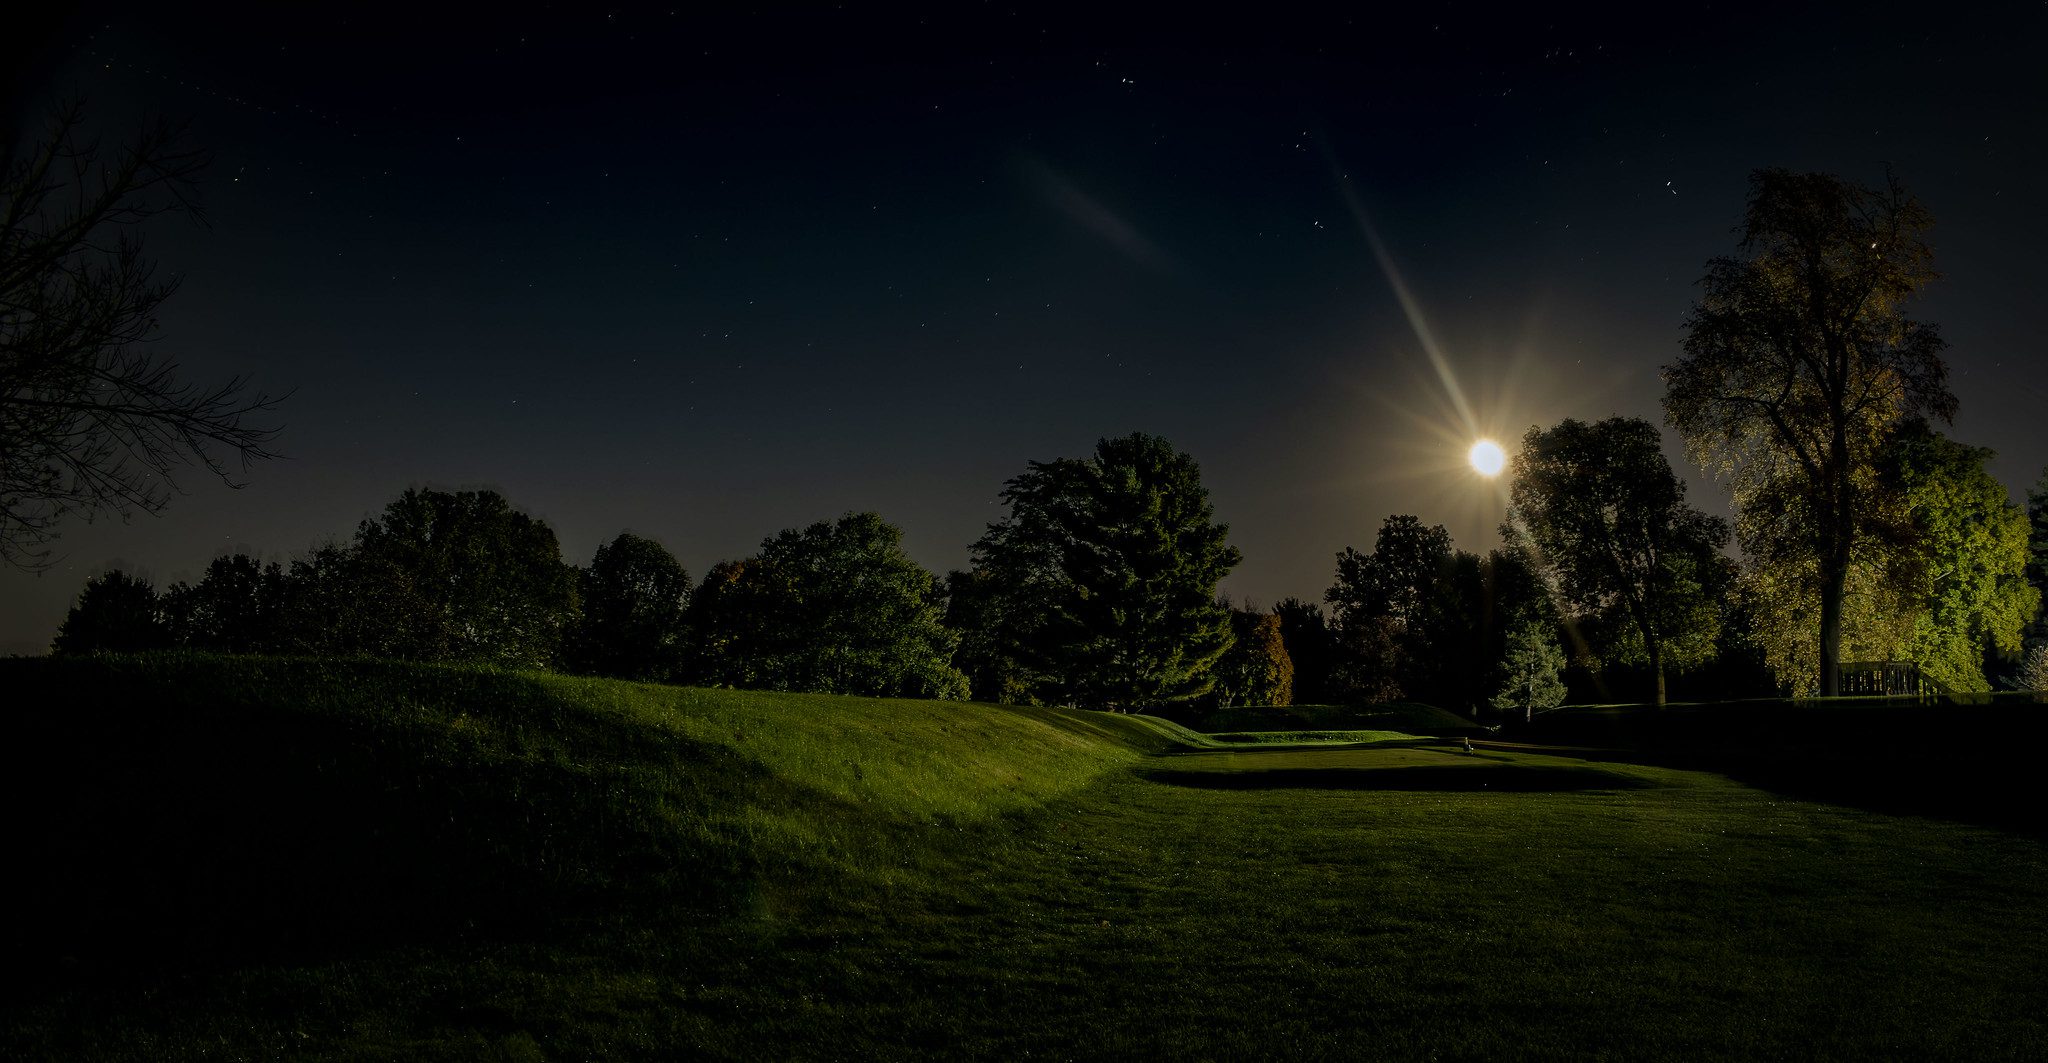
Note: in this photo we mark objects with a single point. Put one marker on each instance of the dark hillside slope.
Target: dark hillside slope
(177, 812)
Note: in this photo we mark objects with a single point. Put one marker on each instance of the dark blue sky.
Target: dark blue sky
(707, 276)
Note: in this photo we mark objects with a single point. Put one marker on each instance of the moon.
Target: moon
(1487, 458)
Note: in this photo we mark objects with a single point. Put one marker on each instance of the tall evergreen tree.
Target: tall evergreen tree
(1109, 566)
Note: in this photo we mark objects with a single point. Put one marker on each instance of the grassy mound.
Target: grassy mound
(187, 810)
(263, 859)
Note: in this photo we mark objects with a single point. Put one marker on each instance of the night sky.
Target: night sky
(710, 275)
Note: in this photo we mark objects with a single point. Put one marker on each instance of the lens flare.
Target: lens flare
(1487, 458)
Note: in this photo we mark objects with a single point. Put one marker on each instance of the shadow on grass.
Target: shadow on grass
(189, 814)
(1503, 778)
(1971, 759)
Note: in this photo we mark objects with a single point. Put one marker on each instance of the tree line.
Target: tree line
(1864, 532)
(1099, 589)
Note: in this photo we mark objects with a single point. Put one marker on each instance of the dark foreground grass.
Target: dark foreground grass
(858, 879)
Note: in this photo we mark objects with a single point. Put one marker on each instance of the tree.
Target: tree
(2034, 669)
(1966, 573)
(1388, 610)
(1939, 580)
(1256, 669)
(634, 595)
(1306, 635)
(93, 420)
(836, 607)
(977, 616)
(1800, 362)
(462, 576)
(116, 613)
(1602, 509)
(332, 604)
(2037, 539)
(234, 608)
(1532, 671)
(1107, 568)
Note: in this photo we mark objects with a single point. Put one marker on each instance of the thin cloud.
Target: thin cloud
(1097, 218)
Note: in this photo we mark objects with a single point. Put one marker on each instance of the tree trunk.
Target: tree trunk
(1657, 668)
(1834, 575)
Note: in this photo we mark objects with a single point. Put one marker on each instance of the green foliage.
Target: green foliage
(1256, 670)
(1106, 572)
(633, 597)
(1534, 671)
(462, 576)
(1940, 580)
(116, 613)
(1602, 508)
(1799, 363)
(980, 617)
(836, 607)
(1969, 545)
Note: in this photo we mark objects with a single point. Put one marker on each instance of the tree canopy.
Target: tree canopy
(1256, 670)
(1532, 671)
(836, 607)
(116, 613)
(1603, 510)
(1108, 567)
(633, 599)
(1388, 610)
(1800, 362)
(1940, 580)
(462, 576)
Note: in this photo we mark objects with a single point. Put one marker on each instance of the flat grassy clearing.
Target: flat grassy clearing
(751, 876)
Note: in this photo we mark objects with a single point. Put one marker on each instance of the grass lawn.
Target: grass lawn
(528, 867)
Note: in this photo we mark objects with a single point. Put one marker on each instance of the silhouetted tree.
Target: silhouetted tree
(1108, 569)
(462, 576)
(1310, 647)
(1800, 362)
(236, 607)
(331, 605)
(92, 419)
(1602, 508)
(836, 607)
(116, 613)
(633, 596)
(1388, 609)
(1256, 670)
(975, 613)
